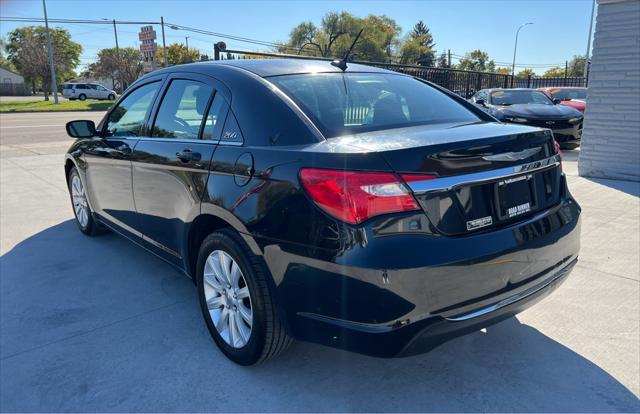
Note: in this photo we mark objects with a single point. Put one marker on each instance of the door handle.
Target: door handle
(187, 155)
(123, 149)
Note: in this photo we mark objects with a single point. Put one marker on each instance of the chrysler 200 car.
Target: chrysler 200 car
(347, 206)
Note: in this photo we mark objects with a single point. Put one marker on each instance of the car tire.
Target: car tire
(111, 97)
(267, 335)
(82, 97)
(81, 210)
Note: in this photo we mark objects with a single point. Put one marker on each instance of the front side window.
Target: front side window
(182, 110)
(340, 103)
(127, 119)
(514, 97)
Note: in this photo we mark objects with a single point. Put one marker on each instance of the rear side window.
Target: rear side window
(340, 103)
(182, 110)
(127, 119)
(67, 86)
(215, 118)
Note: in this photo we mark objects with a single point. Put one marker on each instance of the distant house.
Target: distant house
(11, 83)
(611, 137)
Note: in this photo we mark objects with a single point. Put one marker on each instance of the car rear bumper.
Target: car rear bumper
(390, 295)
(425, 335)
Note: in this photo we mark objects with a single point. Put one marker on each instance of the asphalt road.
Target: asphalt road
(98, 324)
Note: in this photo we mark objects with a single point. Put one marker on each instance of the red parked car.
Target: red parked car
(571, 96)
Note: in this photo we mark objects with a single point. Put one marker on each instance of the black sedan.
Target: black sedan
(356, 208)
(531, 107)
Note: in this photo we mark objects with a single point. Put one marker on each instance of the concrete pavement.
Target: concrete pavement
(98, 324)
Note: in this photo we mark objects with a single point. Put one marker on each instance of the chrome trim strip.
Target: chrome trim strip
(514, 298)
(192, 141)
(448, 183)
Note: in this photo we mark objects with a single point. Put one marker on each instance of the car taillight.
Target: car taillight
(558, 148)
(354, 197)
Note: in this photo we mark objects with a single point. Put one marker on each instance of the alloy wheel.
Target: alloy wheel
(80, 205)
(228, 298)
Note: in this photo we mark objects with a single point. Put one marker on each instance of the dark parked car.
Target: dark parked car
(534, 108)
(364, 209)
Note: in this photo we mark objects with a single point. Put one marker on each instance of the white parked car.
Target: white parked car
(84, 91)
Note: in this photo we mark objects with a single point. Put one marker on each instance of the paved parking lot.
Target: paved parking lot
(98, 324)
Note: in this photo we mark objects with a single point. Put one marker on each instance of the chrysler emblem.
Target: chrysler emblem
(550, 122)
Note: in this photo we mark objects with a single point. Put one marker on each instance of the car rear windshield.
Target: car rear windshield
(340, 103)
(514, 97)
(566, 94)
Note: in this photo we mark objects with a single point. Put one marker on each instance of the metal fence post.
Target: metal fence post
(528, 81)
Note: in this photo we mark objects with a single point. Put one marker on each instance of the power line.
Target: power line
(171, 25)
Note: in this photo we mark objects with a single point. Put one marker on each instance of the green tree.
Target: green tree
(554, 72)
(379, 40)
(4, 62)
(320, 41)
(576, 65)
(124, 66)
(177, 54)
(525, 73)
(27, 51)
(477, 60)
(418, 48)
(336, 33)
(503, 71)
(443, 60)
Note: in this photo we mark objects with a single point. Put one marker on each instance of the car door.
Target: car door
(108, 159)
(171, 168)
(99, 92)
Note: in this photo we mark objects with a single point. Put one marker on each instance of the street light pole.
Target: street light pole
(515, 47)
(586, 60)
(54, 82)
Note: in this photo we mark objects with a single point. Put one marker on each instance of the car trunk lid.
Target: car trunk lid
(488, 174)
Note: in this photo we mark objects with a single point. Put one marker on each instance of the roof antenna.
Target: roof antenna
(342, 63)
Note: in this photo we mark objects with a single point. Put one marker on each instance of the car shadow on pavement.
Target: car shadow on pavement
(99, 324)
(629, 187)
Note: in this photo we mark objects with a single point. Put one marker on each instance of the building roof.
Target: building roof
(9, 70)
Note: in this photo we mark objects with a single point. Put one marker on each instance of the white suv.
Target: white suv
(84, 91)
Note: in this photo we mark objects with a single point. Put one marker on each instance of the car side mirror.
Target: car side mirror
(81, 129)
(480, 102)
(556, 101)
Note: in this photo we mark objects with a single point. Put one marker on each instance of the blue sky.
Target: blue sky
(560, 27)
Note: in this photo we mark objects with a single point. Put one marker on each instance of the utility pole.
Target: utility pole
(164, 45)
(566, 68)
(586, 60)
(513, 66)
(186, 39)
(449, 57)
(115, 33)
(54, 82)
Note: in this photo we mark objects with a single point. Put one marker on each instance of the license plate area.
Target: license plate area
(515, 196)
